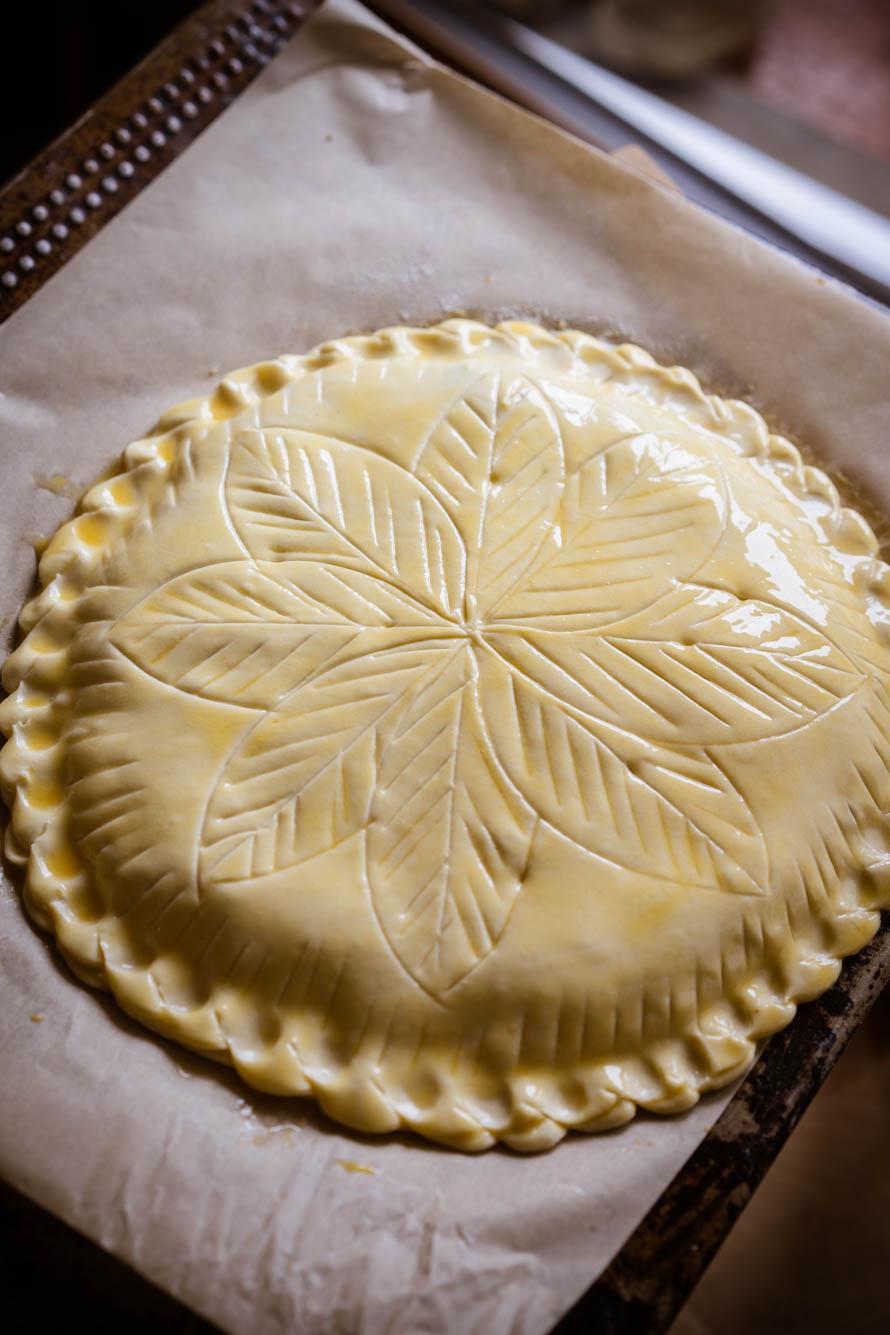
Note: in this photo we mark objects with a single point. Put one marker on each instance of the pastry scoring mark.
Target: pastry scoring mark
(451, 661)
(528, 645)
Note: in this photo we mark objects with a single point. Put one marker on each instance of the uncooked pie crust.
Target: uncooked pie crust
(481, 730)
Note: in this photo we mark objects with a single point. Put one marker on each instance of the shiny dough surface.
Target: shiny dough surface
(481, 730)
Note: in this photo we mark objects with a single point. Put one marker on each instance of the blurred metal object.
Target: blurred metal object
(713, 168)
(672, 39)
(531, 11)
(826, 220)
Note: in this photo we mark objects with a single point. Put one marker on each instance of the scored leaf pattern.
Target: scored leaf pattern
(303, 777)
(496, 463)
(292, 493)
(665, 813)
(446, 654)
(248, 634)
(449, 840)
(646, 512)
(699, 668)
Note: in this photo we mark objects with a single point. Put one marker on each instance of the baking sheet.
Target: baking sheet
(355, 185)
(811, 1251)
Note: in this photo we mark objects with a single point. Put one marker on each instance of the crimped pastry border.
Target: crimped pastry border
(664, 1077)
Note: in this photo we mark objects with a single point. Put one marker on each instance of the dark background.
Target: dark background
(60, 57)
(824, 63)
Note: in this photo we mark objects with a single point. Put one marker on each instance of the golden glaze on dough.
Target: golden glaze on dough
(482, 730)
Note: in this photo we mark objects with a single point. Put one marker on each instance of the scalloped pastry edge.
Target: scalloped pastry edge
(664, 1077)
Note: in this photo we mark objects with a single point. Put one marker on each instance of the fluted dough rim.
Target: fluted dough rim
(664, 1077)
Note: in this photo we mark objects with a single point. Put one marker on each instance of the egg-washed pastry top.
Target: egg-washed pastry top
(482, 730)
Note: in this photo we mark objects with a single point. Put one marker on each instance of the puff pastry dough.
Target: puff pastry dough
(481, 730)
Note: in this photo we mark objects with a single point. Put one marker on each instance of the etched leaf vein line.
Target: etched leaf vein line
(445, 654)
(343, 505)
(443, 885)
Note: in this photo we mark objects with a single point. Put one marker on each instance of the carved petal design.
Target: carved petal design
(662, 812)
(449, 838)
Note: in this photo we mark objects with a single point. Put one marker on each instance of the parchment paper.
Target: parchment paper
(353, 186)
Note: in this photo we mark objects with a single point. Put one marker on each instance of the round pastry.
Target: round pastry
(482, 730)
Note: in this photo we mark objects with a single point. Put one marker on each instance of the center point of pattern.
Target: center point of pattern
(442, 658)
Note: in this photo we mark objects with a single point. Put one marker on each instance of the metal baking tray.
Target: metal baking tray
(47, 213)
